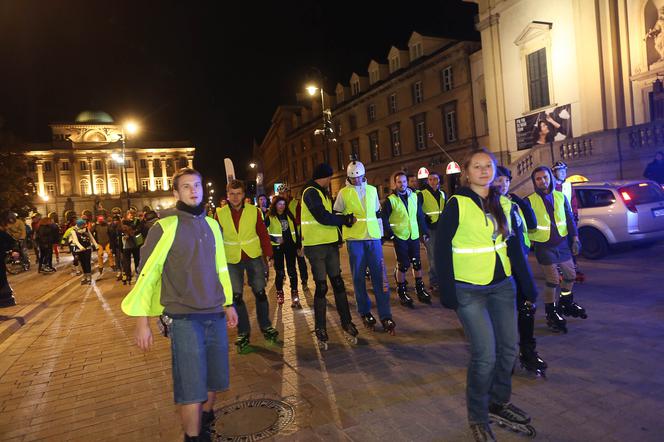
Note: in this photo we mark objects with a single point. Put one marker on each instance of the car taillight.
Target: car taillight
(627, 199)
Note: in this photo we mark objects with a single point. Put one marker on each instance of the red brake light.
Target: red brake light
(626, 196)
(627, 199)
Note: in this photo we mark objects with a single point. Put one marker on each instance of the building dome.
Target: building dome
(88, 116)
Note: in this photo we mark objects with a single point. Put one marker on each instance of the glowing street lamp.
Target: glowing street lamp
(252, 165)
(131, 128)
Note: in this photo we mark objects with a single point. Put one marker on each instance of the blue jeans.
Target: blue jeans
(199, 356)
(256, 276)
(363, 254)
(488, 316)
(429, 246)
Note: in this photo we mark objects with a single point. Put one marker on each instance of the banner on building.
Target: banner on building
(554, 124)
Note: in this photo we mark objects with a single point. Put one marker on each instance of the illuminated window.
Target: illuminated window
(84, 165)
(97, 165)
(144, 164)
(158, 182)
(114, 186)
(47, 166)
(538, 82)
(100, 187)
(395, 139)
(145, 184)
(64, 165)
(84, 186)
(50, 189)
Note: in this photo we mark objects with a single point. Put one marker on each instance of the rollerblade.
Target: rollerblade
(369, 321)
(510, 416)
(388, 325)
(402, 291)
(270, 333)
(124, 279)
(482, 432)
(554, 320)
(422, 294)
(295, 298)
(321, 336)
(532, 363)
(570, 308)
(280, 297)
(242, 343)
(351, 332)
(118, 276)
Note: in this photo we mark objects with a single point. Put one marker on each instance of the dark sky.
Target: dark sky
(209, 72)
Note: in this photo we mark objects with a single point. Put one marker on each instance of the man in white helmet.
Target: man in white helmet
(365, 249)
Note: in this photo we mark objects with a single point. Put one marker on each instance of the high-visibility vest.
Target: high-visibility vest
(404, 222)
(314, 233)
(246, 239)
(526, 239)
(544, 223)
(292, 206)
(144, 299)
(274, 229)
(367, 223)
(432, 207)
(473, 247)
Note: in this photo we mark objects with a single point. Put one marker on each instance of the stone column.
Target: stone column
(92, 176)
(190, 163)
(107, 162)
(151, 186)
(40, 177)
(164, 175)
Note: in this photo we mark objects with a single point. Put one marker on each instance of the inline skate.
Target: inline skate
(388, 325)
(369, 321)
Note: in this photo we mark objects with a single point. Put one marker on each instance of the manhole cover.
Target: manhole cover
(252, 420)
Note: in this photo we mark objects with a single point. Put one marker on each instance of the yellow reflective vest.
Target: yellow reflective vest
(404, 222)
(526, 238)
(544, 223)
(144, 299)
(431, 206)
(474, 248)
(367, 223)
(314, 233)
(245, 239)
(274, 229)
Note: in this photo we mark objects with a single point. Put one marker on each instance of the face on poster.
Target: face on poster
(547, 126)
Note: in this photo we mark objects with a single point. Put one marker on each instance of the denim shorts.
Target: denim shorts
(199, 356)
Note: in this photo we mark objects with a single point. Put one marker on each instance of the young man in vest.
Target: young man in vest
(553, 250)
(183, 274)
(247, 243)
(432, 200)
(563, 185)
(294, 206)
(320, 237)
(364, 246)
(404, 224)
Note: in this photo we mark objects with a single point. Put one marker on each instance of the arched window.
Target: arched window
(85, 187)
(99, 186)
(114, 186)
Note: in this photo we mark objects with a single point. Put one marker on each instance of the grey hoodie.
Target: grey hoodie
(189, 281)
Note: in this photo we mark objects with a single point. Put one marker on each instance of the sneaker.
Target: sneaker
(509, 412)
(482, 432)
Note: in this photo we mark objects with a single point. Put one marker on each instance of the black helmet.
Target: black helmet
(503, 171)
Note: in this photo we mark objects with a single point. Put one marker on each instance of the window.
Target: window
(114, 186)
(538, 82)
(416, 51)
(144, 164)
(392, 103)
(128, 163)
(595, 197)
(50, 189)
(395, 64)
(170, 183)
(340, 156)
(145, 183)
(64, 165)
(112, 165)
(47, 166)
(373, 76)
(355, 148)
(84, 166)
(84, 185)
(420, 126)
(32, 166)
(183, 162)
(418, 93)
(355, 88)
(450, 123)
(446, 82)
(371, 112)
(395, 139)
(373, 146)
(158, 183)
(97, 165)
(352, 121)
(99, 187)
(156, 164)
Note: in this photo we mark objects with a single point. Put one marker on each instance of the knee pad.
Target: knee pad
(321, 289)
(338, 284)
(403, 268)
(261, 296)
(417, 264)
(237, 300)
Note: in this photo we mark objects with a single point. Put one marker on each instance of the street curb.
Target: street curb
(14, 323)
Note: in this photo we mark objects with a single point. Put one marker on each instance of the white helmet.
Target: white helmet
(355, 169)
(422, 173)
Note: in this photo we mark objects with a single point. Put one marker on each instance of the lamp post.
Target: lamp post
(131, 128)
(327, 131)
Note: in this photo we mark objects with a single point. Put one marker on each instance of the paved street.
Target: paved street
(72, 372)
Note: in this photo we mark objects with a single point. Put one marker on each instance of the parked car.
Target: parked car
(618, 212)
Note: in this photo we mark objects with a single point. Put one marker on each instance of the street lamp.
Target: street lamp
(131, 128)
(252, 165)
(327, 131)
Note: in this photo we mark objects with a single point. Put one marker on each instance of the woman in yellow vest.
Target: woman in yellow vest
(476, 255)
(294, 207)
(285, 244)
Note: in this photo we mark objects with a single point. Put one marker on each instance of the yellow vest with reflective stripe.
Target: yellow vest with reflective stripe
(144, 299)
(274, 229)
(404, 222)
(432, 207)
(473, 247)
(246, 239)
(314, 233)
(292, 206)
(544, 224)
(367, 223)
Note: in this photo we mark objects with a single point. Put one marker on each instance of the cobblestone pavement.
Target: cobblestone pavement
(72, 372)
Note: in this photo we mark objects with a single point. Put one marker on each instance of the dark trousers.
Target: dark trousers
(45, 256)
(126, 260)
(84, 257)
(288, 254)
(302, 265)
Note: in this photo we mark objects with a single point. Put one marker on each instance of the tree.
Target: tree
(16, 186)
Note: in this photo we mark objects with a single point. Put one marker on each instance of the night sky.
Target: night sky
(209, 72)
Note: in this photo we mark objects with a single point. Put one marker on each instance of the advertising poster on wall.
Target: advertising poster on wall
(554, 124)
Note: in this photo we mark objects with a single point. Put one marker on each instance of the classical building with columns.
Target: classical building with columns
(92, 163)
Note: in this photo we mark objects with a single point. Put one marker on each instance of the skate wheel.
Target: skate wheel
(322, 345)
(530, 431)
